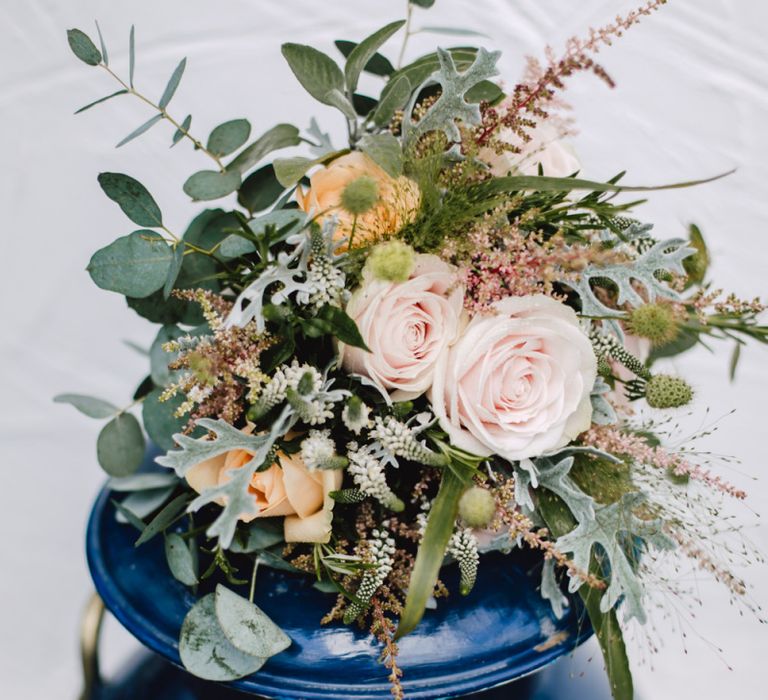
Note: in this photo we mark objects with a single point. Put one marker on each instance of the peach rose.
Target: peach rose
(399, 198)
(408, 326)
(517, 383)
(287, 489)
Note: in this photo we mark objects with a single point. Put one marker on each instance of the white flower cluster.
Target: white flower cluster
(356, 415)
(463, 547)
(367, 470)
(326, 282)
(400, 440)
(380, 554)
(318, 451)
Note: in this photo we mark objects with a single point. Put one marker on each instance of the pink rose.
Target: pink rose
(517, 383)
(408, 327)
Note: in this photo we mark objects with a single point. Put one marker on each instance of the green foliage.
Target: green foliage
(88, 405)
(164, 519)
(104, 55)
(208, 185)
(385, 150)
(290, 170)
(100, 100)
(180, 559)
(604, 480)
(338, 323)
(696, 265)
(120, 446)
(397, 95)
(319, 75)
(159, 359)
(146, 126)
(173, 84)
(229, 136)
(131, 55)
(83, 47)
(258, 535)
(377, 64)
(142, 482)
(426, 4)
(180, 133)
(143, 503)
(260, 189)
(134, 265)
(364, 51)
(133, 198)
(279, 136)
(160, 420)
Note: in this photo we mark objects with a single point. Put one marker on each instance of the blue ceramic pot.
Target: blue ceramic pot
(501, 632)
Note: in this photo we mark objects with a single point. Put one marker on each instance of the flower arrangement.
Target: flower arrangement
(433, 342)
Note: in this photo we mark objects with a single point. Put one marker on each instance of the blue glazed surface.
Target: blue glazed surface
(501, 632)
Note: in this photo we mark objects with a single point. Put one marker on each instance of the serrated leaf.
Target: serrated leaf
(280, 136)
(385, 150)
(103, 45)
(395, 98)
(316, 71)
(146, 126)
(120, 446)
(83, 47)
(377, 64)
(173, 84)
(132, 197)
(603, 412)
(142, 482)
(100, 100)
(134, 265)
(182, 132)
(226, 138)
(550, 589)
(131, 55)
(247, 627)
(364, 51)
(206, 652)
(207, 185)
(88, 405)
(163, 519)
(180, 559)
(553, 476)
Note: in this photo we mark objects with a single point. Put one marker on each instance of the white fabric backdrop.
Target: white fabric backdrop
(691, 101)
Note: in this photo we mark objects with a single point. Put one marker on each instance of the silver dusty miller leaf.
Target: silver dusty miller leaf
(614, 528)
(550, 589)
(665, 256)
(602, 411)
(451, 105)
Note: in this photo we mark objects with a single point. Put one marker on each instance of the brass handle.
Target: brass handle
(90, 631)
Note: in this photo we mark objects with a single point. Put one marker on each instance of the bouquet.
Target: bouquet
(399, 353)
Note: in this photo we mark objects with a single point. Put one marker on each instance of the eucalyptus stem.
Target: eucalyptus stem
(185, 132)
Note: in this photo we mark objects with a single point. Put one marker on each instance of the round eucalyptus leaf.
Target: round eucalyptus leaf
(134, 265)
(211, 184)
(159, 359)
(132, 197)
(88, 405)
(260, 189)
(247, 627)
(83, 47)
(206, 652)
(159, 420)
(180, 559)
(120, 446)
(226, 138)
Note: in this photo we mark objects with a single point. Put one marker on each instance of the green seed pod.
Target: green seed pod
(391, 261)
(664, 391)
(477, 507)
(656, 322)
(360, 195)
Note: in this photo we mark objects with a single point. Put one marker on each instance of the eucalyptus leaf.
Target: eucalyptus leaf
(100, 100)
(144, 503)
(247, 627)
(183, 131)
(206, 652)
(131, 55)
(143, 482)
(260, 189)
(146, 126)
(160, 420)
(88, 405)
(157, 309)
(132, 197)
(385, 150)
(364, 52)
(280, 136)
(317, 72)
(180, 559)
(377, 64)
(426, 4)
(163, 519)
(159, 359)
(226, 138)
(207, 185)
(453, 31)
(134, 265)
(103, 45)
(83, 47)
(120, 446)
(260, 534)
(173, 84)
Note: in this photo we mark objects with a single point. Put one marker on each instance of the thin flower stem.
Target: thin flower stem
(253, 579)
(196, 142)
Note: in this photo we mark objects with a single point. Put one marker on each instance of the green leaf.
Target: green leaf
(144, 503)
(212, 184)
(377, 64)
(364, 51)
(159, 359)
(485, 91)
(317, 72)
(174, 269)
(156, 309)
(83, 47)
(163, 519)
(206, 652)
(134, 199)
(247, 627)
(395, 98)
(180, 559)
(104, 55)
(226, 138)
(343, 326)
(180, 133)
(260, 189)
(128, 516)
(453, 31)
(143, 482)
(734, 363)
(685, 340)
(146, 126)
(134, 265)
(336, 98)
(280, 136)
(159, 420)
(426, 4)
(100, 100)
(385, 150)
(120, 446)
(289, 171)
(363, 104)
(697, 265)
(261, 534)
(88, 405)
(131, 55)
(429, 558)
(173, 84)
